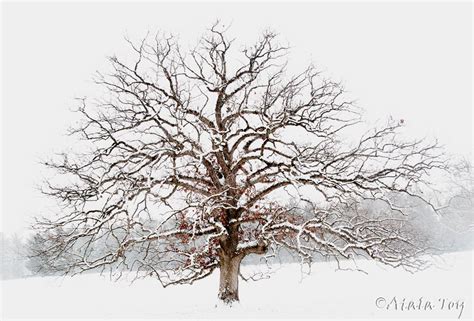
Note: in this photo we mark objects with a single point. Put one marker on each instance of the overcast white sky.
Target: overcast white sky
(410, 61)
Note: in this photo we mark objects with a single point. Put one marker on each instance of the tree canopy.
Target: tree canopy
(189, 150)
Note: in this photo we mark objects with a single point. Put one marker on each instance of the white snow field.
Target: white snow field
(324, 294)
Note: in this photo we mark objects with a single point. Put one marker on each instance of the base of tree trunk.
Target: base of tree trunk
(229, 280)
(228, 297)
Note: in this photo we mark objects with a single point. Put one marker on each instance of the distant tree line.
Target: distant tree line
(449, 230)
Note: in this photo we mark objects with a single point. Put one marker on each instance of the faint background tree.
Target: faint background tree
(12, 257)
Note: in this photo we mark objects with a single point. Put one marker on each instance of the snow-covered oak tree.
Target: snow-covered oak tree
(190, 154)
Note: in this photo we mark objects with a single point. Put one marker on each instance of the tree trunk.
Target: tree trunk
(229, 279)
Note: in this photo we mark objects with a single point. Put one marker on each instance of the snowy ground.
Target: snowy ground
(323, 294)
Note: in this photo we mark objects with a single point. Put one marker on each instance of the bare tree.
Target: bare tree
(12, 257)
(189, 152)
